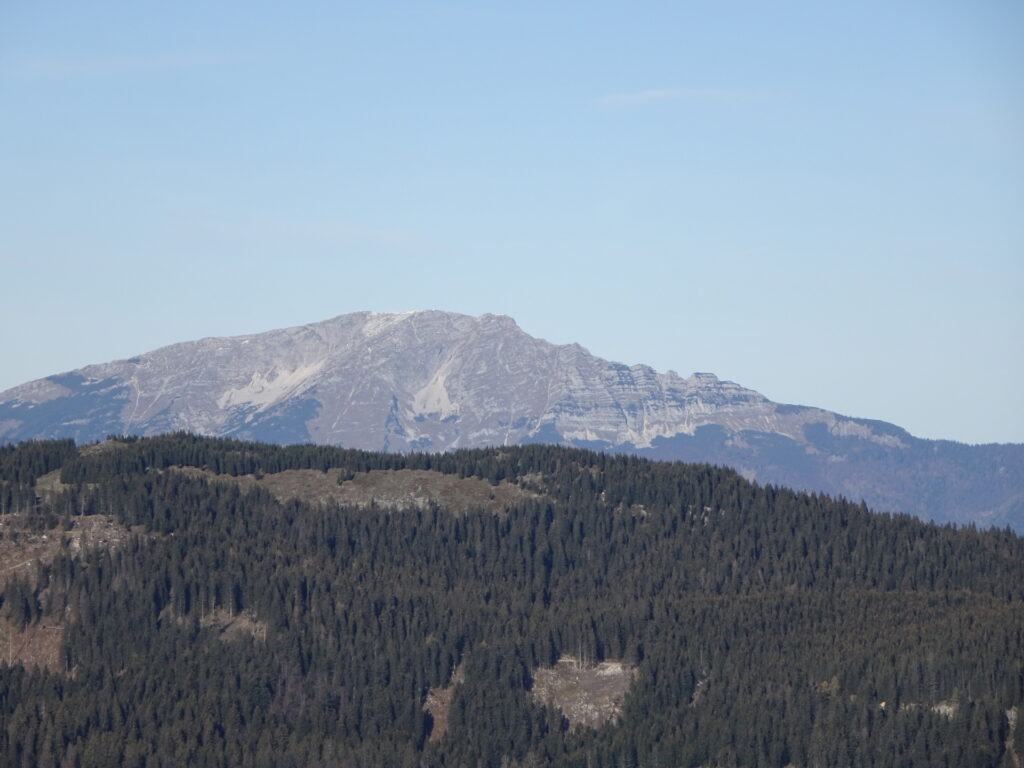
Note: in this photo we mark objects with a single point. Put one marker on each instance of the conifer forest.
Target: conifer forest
(209, 602)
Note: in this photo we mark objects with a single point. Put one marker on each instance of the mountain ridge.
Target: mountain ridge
(437, 381)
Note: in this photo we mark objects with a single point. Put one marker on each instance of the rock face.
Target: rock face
(439, 381)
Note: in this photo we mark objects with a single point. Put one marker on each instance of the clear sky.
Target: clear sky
(823, 201)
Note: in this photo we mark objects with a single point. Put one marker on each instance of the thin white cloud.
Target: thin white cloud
(62, 68)
(654, 95)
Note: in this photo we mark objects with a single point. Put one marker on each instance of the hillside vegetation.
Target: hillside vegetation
(249, 615)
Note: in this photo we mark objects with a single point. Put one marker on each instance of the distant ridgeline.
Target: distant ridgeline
(441, 381)
(180, 600)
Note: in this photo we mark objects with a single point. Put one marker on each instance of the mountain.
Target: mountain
(437, 381)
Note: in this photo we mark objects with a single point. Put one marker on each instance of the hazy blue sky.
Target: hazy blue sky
(822, 201)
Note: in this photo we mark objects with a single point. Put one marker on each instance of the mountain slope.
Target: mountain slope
(439, 381)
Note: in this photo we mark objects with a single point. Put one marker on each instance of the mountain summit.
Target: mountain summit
(438, 381)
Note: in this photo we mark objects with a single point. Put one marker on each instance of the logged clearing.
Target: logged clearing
(588, 695)
(1011, 749)
(50, 483)
(439, 704)
(37, 645)
(398, 490)
(225, 625)
(235, 626)
(104, 446)
(21, 548)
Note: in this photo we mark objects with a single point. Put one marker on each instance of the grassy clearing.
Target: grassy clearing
(397, 490)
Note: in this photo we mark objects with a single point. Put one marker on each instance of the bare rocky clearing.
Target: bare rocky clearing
(588, 695)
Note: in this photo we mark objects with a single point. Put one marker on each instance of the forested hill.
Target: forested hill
(216, 603)
(441, 381)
